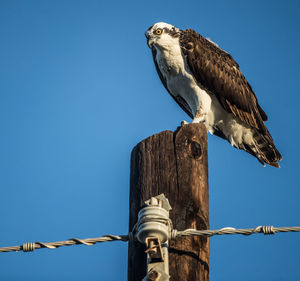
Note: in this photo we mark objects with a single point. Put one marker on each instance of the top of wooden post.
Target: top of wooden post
(173, 163)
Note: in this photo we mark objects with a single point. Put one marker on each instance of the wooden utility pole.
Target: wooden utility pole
(173, 163)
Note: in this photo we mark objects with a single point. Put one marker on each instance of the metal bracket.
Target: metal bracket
(157, 260)
(154, 249)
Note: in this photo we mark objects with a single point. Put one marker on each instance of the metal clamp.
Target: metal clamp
(154, 249)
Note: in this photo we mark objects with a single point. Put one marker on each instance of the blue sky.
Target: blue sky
(79, 90)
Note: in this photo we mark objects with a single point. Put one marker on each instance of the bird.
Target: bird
(207, 83)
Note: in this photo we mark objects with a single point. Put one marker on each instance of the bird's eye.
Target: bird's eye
(158, 31)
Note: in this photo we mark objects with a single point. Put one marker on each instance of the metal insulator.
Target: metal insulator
(153, 222)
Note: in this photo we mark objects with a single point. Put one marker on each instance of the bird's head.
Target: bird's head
(161, 33)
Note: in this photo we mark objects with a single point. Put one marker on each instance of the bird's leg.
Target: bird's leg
(199, 116)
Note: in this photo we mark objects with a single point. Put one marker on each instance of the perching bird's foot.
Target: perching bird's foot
(199, 119)
(183, 122)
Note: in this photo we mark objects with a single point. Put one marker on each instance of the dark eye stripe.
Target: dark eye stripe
(172, 31)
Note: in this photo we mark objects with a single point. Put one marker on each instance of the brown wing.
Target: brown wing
(216, 71)
(180, 101)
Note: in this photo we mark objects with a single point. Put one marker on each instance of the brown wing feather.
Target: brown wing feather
(216, 71)
(179, 100)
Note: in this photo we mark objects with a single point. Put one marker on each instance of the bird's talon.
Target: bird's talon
(183, 122)
(199, 119)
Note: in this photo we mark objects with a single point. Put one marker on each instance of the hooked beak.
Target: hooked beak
(149, 39)
(150, 42)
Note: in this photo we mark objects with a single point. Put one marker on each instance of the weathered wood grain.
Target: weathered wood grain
(173, 163)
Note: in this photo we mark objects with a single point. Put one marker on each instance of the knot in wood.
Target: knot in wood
(196, 149)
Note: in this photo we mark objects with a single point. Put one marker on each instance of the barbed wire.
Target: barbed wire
(29, 247)
(230, 230)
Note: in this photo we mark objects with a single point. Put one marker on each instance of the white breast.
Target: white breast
(179, 78)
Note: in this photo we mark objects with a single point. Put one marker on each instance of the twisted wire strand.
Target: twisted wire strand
(230, 230)
(28, 247)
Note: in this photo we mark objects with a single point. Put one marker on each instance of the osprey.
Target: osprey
(208, 85)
